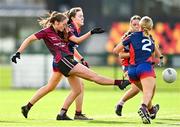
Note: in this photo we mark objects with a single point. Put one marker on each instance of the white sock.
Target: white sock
(121, 103)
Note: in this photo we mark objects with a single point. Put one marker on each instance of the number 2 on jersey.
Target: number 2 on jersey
(145, 46)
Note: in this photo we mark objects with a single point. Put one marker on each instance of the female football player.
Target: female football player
(133, 91)
(56, 37)
(134, 27)
(140, 70)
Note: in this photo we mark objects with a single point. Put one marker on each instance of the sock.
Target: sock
(117, 82)
(143, 105)
(121, 103)
(78, 113)
(151, 110)
(63, 111)
(29, 105)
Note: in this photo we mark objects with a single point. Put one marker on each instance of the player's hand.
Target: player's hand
(15, 56)
(161, 63)
(97, 30)
(85, 63)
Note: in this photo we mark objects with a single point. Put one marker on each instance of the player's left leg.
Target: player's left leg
(41, 92)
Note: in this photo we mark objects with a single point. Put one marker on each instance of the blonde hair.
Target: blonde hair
(146, 24)
(134, 17)
(52, 17)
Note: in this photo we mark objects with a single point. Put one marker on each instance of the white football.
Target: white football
(169, 75)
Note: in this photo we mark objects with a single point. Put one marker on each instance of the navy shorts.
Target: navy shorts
(140, 71)
(65, 65)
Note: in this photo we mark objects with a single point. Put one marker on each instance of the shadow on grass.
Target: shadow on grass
(169, 124)
(6, 121)
(110, 122)
(170, 119)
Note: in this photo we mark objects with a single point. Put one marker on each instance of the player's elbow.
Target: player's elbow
(115, 51)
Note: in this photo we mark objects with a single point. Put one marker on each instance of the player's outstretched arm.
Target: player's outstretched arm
(86, 36)
(23, 46)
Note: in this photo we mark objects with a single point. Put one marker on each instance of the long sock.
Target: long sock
(63, 111)
(78, 113)
(29, 105)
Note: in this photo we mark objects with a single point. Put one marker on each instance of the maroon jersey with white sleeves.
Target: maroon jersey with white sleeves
(56, 45)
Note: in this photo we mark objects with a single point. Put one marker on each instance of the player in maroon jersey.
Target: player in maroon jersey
(56, 37)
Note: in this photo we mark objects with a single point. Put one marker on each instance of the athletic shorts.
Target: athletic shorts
(64, 65)
(140, 71)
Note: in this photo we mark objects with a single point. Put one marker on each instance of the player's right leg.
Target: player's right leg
(79, 105)
(85, 73)
(133, 91)
(52, 83)
(143, 113)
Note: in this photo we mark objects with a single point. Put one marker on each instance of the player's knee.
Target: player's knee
(50, 88)
(77, 92)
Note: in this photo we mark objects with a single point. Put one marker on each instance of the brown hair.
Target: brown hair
(146, 24)
(52, 17)
(72, 13)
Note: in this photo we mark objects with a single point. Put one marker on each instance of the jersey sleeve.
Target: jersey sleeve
(70, 34)
(126, 41)
(40, 35)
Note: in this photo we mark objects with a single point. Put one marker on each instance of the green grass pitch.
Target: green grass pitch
(99, 103)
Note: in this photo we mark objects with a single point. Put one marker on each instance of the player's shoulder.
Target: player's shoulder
(139, 33)
(128, 36)
(48, 29)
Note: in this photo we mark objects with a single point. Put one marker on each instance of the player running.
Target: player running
(140, 70)
(134, 90)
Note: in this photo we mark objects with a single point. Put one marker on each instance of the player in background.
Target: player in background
(140, 70)
(133, 91)
(56, 37)
(76, 21)
(134, 27)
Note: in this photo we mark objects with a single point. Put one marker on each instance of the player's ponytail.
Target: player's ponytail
(52, 17)
(146, 25)
(146, 31)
